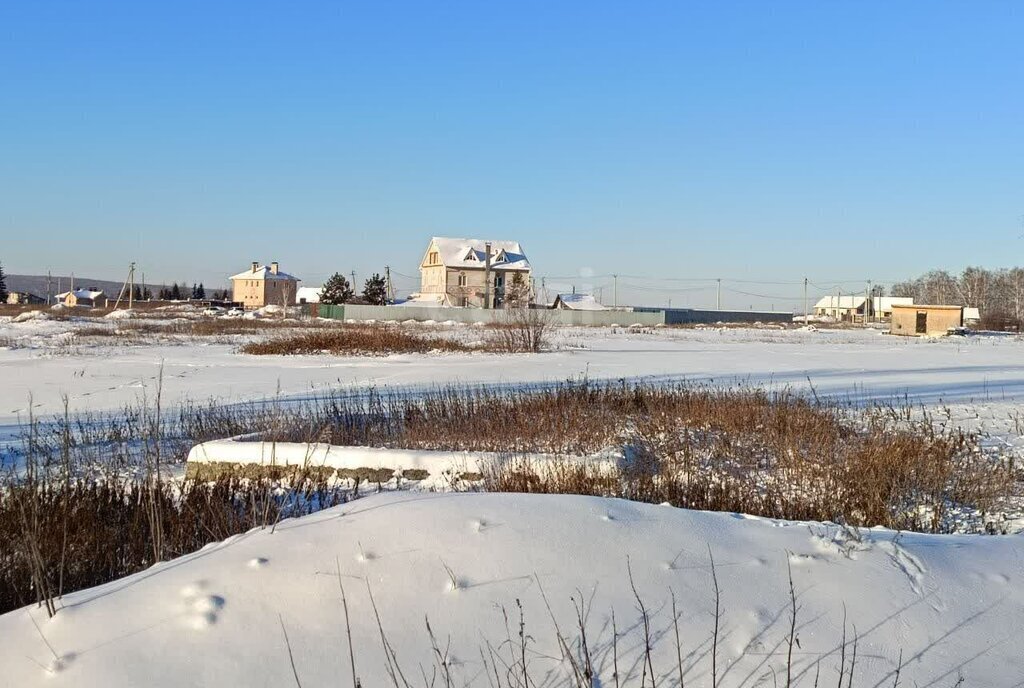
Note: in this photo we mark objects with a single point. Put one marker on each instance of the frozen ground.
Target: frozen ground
(951, 604)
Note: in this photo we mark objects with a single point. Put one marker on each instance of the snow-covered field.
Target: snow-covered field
(44, 360)
(951, 604)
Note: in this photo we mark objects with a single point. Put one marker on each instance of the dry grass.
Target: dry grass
(92, 532)
(745, 450)
(353, 340)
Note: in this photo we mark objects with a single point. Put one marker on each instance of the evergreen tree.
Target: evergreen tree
(175, 292)
(517, 292)
(336, 290)
(137, 293)
(3, 285)
(164, 294)
(201, 292)
(375, 291)
(147, 295)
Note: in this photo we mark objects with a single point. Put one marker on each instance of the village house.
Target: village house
(925, 321)
(578, 302)
(851, 308)
(82, 297)
(264, 285)
(23, 298)
(473, 273)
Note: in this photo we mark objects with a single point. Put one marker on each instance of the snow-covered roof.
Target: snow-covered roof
(264, 272)
(81, 294)
(309, 294)
(972, 313)
(425, 300)
(578, 302)
(840, 302)
(885, 303)
(470, 253)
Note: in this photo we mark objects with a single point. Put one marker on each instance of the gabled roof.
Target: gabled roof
(578, 302)
(840, 302)
(82, 294)
(470, 253)
(263, 272)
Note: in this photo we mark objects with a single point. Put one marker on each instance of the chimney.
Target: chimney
(274, 267)
(254, 266)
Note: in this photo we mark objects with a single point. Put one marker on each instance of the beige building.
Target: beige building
(456, 272)
(264, 285)
(925, 321)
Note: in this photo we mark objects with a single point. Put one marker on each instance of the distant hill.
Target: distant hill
(36, 284)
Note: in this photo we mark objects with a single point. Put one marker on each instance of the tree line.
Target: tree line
(338, 290)
(177, 292)
(997, 294)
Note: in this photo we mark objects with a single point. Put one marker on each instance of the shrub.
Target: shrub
(353, 340)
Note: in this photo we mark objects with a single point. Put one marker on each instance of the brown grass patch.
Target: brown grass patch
(353, 340)
(745, 450)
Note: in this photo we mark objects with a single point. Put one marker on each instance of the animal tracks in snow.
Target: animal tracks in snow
(201, 610)
(912, 567)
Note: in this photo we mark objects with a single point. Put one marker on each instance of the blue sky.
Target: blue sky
(759, 141)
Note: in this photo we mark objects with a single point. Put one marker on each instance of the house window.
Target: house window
(462, 279)
(499, 281)
(433, 258)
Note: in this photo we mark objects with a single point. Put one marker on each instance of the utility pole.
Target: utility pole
(390, 298)
(143, 294)
(867, 301)
(47, 287)
(719, 301)
(805, 301)
(487, 275)
(129, 285)
(544, 289)
(353, 282)
(615, 291)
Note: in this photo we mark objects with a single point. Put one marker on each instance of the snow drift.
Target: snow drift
(951, 604)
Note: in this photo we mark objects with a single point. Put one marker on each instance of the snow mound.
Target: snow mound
(120, 315)
(464, 562)
(30, 316)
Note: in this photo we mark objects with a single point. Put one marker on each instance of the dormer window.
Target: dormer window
(502, 257)
(471, 255)
(433, 259)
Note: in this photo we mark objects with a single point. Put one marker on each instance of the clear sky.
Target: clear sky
(761, 141)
